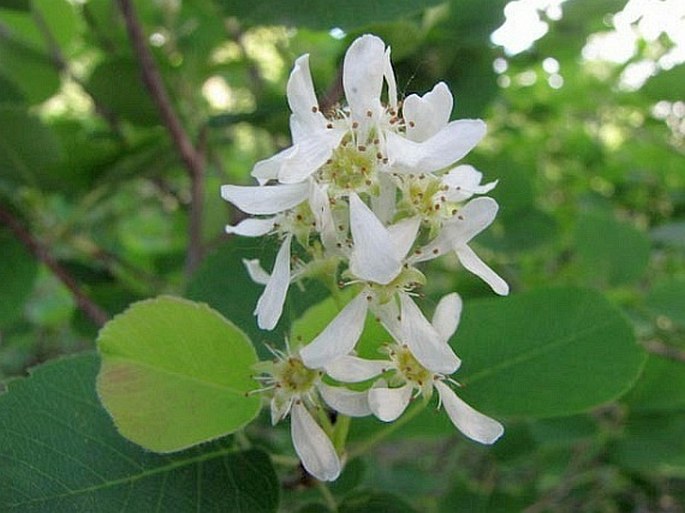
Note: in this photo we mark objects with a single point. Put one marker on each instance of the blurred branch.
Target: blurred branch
(191, 157)
(92, 310)
(661, 349)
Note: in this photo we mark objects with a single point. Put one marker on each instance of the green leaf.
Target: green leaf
(660, 388)
(60, 19)
(667, 85)
(610, 252)
(323, 15)
(27, 148)
(653, 444)
(60, 453)
(117, 85)
(18, 270)
(375, 502)
(545, 353)
(668, 298)
(175, 373)
(9, 93)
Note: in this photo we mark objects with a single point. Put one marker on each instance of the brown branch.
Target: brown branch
(191, 157)
(92, 310)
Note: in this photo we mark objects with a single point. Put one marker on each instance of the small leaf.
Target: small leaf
(175, 373)
(60, 453)
(546, 353)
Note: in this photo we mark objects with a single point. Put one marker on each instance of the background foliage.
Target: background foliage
(101, 205)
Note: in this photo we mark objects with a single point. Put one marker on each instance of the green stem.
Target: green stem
(285, 461)
(364, 447)
(327, 496)
(342, 428)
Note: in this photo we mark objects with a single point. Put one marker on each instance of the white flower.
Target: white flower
(296, 390)
(389, 398)
(378, 258)
(457, 232)
(296, 210)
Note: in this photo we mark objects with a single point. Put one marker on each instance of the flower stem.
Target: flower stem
(366, 445)
(327, 496)
(342, 428)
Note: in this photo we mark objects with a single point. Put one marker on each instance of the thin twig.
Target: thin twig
(192, 159)
(92, 310)
(658, 347)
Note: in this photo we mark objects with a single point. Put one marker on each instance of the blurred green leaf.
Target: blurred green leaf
(117, 84)
(666, 85)
(610, 252)
(175, 374)
(59, 452)
(375, 502)
(653, 444)
(18, 270)
(323, 15)
(28, 149)
(546, 353)
(661, 388)
(668, 298)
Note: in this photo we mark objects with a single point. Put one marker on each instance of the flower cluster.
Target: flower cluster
(367, 191)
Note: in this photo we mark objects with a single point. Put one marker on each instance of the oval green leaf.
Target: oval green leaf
(60, 453)
(175, 373)
(545, 353)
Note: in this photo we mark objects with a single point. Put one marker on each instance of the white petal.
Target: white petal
(268, 169)
(472, 423)
(374, 257)
(473, 263)
(352, 369)
(428, 114)
(403, 235)
(313, 446)
(437, 152)
(270, 303)
(320, 206)
(463, 182)
(446, 316)
(310, 154)
(252, 227)
(302, 98)
(383, 205)
(256, 271)
(339, 337)
(470, 220)
(345, 401)
(363, 70)
(267, 199)
(389, 403)
(389, 75)
(280, 407)
(425, 343)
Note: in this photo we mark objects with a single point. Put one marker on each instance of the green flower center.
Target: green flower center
(292, 376)
(409, 367)
(351, 168)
